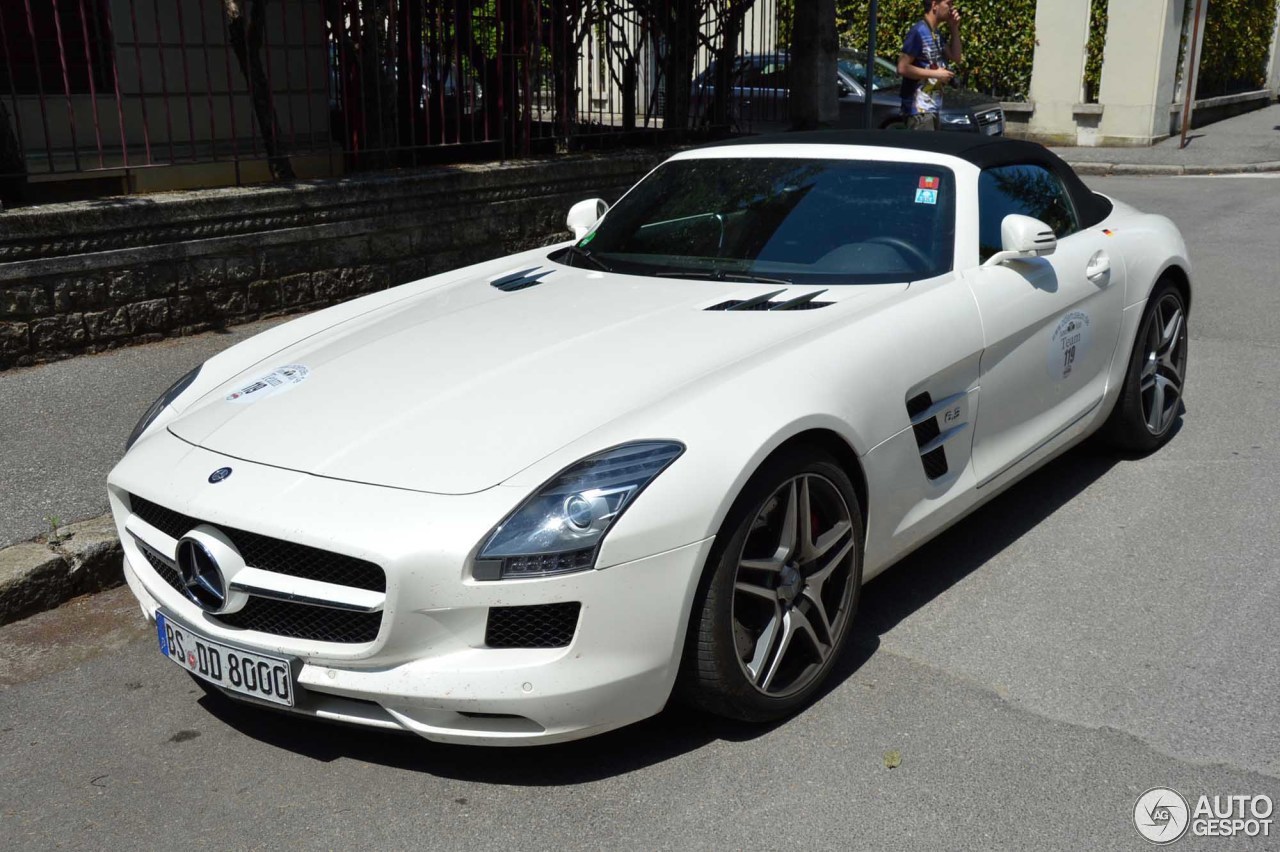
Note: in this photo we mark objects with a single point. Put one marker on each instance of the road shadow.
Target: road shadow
(886, 601)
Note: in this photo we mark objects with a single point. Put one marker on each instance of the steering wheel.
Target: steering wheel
(911, 251)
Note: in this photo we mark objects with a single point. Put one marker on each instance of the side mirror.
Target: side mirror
(584, 214)
(1023, 237)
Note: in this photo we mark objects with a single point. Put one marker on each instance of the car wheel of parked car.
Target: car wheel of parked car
(775, 608)
(1151, 400)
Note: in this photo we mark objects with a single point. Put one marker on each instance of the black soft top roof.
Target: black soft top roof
(983, 151)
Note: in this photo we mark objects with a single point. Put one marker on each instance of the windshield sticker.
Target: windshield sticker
(1069, 345)
(928, 183)
(588, 238)
(926, 196)
(278, 381)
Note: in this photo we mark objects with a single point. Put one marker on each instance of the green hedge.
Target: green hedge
(1237, 43)
(999, 39)
(1093, 49)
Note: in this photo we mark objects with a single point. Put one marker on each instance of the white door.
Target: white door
(1050, 324)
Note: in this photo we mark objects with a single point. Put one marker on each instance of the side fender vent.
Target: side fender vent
(924, 423)
(519, 280)
(766, 302)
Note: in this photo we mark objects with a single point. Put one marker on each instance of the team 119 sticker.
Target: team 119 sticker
(279, 380)
(1070, 343)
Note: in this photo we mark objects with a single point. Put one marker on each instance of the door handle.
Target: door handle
(1099, 269)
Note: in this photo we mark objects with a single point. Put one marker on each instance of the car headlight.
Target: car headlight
(174, 391)
(960, 120)
(559, 529)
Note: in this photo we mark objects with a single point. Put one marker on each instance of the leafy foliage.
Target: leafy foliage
(1237, 43)
(1093, 50)
(999, 39)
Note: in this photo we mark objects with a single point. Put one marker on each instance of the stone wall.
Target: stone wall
(89, 276)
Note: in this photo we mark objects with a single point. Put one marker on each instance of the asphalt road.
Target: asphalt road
(63, 425)
(1105, 627)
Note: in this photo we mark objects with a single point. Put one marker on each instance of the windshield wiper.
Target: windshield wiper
(578, 251)
(723, 275)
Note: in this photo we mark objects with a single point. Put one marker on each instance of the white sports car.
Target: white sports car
(532, 499)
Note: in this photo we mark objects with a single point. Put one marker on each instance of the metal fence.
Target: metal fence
(301, 87)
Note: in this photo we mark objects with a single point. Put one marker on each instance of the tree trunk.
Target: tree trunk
(726, 52)
(814, 48)
(681, 32)
(245, 33)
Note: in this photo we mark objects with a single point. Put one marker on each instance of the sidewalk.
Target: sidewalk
(62, 425)
(1245, 143)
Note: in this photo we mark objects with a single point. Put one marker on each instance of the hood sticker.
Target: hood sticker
(278, 381)
(1069, 345)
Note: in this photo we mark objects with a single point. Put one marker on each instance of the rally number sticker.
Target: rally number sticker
(1069, 345)
(278, 381)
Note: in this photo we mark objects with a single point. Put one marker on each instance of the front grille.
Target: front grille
(271, 554)
(304, 621)
(991, 119)
(541, 626)
(166, 571)
(282, 618)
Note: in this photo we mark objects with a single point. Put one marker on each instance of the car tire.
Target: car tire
(1150, 401)
(777, 600)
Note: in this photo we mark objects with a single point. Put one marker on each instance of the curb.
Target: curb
(1092, 168)
(35, 577)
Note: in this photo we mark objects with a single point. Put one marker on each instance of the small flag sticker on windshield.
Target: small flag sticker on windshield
(928, 183)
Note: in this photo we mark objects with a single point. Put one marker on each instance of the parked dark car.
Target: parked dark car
(758, 100)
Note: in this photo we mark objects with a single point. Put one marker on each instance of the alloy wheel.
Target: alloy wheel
(1164, 364)
(793, 586)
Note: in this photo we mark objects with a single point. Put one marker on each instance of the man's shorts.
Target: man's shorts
(923, 121)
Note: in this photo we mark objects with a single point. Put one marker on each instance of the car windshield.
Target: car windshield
(779, 220)
(855, 65)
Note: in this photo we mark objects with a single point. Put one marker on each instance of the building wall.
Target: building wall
(89, 276)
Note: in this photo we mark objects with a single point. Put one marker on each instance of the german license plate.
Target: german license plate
(992, 129)
(267, 678)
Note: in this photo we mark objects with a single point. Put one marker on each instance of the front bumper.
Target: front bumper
(429, 669)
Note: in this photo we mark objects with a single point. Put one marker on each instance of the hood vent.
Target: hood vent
(519, 280)
(765, 302)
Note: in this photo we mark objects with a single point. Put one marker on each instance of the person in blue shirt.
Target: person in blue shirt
(923, 63)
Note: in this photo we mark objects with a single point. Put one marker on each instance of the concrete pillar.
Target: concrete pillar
(1273, 68)
(1057, 69)
(1138, 70)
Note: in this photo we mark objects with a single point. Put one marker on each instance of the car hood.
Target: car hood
(459, 387)
(961, 100)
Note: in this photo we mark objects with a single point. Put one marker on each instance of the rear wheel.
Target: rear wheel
(775, 609)
(1151, 400)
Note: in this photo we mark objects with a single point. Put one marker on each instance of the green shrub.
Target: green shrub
(1237, 44)
(1093, 49)
(999, 39)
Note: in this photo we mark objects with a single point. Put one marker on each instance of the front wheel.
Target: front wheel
(1151, 399)
(783, 581)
